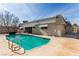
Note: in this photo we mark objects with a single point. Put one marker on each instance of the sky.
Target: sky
(31, 11)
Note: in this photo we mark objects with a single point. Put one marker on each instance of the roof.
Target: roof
(59, 19)
(75, 25)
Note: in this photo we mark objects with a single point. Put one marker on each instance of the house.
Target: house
(75, 28)
(51, 26)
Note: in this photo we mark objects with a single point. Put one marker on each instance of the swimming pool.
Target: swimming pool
(27, 41)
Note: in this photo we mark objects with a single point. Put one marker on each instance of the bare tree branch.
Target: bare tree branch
(8, 20)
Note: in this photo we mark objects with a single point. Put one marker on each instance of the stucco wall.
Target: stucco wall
(35, 31)
(52, 29)
(62, 29)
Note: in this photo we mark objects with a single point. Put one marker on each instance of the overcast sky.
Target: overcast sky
(32, 12)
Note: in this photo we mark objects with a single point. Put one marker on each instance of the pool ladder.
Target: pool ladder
(14, 48)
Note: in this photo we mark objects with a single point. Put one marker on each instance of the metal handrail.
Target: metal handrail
(13, 49)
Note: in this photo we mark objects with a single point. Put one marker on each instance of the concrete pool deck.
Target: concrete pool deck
(58, 46)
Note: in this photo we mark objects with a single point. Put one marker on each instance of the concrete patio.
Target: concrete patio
(58, 46)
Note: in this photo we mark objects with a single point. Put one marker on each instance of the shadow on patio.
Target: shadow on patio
(76, 35)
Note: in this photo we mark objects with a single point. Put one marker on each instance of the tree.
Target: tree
(69, 28)
(8, 20)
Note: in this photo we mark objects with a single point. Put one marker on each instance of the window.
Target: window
(44, 27)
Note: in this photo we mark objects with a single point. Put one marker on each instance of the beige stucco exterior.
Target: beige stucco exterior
(56, 26)
(53, 29)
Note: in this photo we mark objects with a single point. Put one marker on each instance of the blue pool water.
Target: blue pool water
(27, 41)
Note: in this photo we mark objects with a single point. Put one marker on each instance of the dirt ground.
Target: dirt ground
(58, 46)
